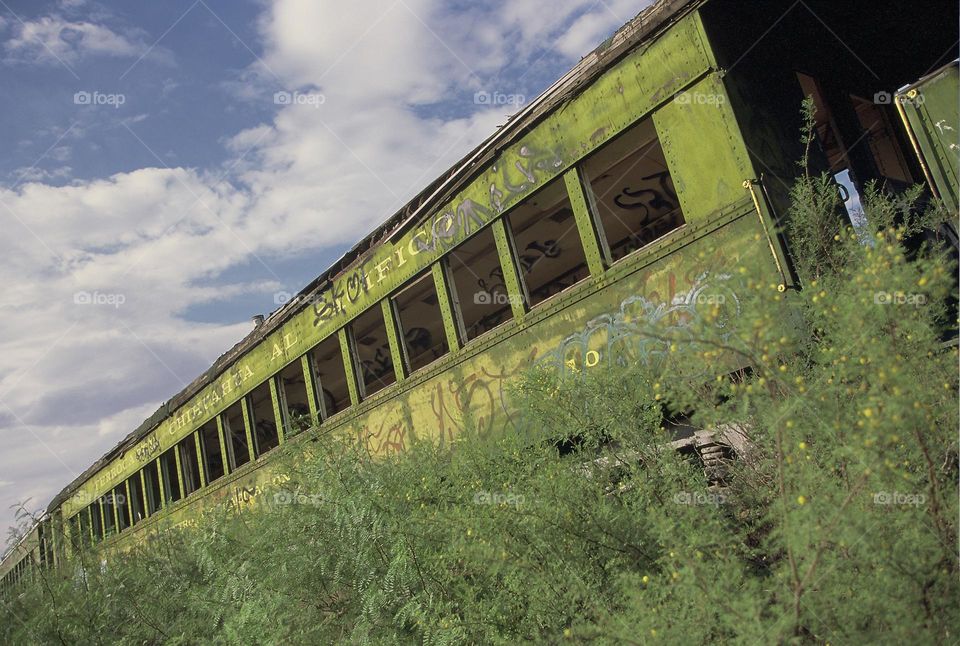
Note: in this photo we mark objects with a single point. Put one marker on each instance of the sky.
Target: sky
(167, 169)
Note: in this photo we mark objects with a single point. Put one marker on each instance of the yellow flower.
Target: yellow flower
(645, 579)
(801, 500)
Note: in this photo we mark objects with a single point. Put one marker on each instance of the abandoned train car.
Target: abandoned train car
(678, 134)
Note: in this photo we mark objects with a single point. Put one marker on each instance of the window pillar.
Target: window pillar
(509, 267)
(276, 400)
(393, 337)
(446, 305)
(349, 366)
(585, 223)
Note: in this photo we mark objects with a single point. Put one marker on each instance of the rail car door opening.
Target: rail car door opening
(631, 192)
(151, 478)
(421, 323)
(372, 351)
(292, 393)
(331, 390)
(189, 465)
(210, 451)
(171, 482)
(851, 58)
(478, 291)
(266, 436)
(235, 435)
(549, 251)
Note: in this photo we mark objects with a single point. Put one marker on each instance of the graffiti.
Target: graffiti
(418, 340)
(646, 234)
(244, 495)
(149, 448)
(625, 337)
(442, 232)
(390, 437)
(545, 161)
(497, 284)
(210, 400)
(567, 279)
(537, 251)
(479, 397)
(351, 287)
(450, 227)
(379, 365)
(241, 496)
(664, 199)
(492, 320)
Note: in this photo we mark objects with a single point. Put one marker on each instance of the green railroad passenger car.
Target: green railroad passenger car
(591, 209)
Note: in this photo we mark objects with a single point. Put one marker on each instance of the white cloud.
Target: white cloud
(26, 174)
(53, 39)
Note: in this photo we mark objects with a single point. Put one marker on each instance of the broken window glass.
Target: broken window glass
(421, 323)
(549, 252)
(631, 192)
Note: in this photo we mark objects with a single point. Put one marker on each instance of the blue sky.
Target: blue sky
(156, 191)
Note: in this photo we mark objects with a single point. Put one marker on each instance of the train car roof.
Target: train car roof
(643, 27)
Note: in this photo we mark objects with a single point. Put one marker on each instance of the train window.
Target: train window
(189, 465)
(549, 251)
(235, 435)
(152, 479)
(109, 514)
(372, 347)
(329, 377)
(421, 323)
(171, 483)
(265, 435)
(83, 522)
(75, 531)
(120, 502)
(476, 282)
(210, 449)
(96, 521)
(136, 498)
(292, 392)
(631, 192)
